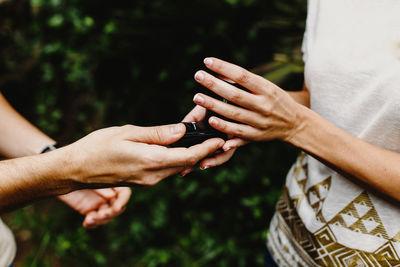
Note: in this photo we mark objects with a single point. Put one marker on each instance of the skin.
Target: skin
(20, 138)
(116, 156)
(198, 113)
(267, 112)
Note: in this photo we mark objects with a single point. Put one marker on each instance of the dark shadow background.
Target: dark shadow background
(75, 66)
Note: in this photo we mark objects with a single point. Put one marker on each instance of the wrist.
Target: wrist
(52, 147)
(302, 122)
(64, 169)
(315, 135)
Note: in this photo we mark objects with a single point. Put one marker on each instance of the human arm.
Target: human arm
(267, 112)
(116, 156)
(20, 138)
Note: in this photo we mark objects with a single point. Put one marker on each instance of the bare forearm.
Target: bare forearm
(354, 157)
(18, 137)
(29, 178)
(267, 112)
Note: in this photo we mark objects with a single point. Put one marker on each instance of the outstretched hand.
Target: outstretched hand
(134, 155)
(264, 113)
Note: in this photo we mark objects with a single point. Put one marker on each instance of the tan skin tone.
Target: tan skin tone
(20, 138)
(267, 112)
(108, 157)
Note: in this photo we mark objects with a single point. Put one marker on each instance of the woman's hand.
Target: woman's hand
(99, 206)
(264, 113)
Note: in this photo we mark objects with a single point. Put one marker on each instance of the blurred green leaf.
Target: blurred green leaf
(72, 67)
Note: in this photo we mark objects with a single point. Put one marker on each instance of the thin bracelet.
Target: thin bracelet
(49, 148)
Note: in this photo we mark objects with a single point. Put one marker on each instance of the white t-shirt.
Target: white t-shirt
(352, 70)
(7, 246)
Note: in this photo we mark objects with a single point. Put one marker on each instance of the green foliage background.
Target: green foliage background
(75, 66)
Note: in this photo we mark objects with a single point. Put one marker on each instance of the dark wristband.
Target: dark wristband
(49, 148)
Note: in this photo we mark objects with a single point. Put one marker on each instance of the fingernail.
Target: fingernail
(205, 167)
(198, 99)
(199, 76)
(177, 128)
(213, 121)
(226, 147)
(208, 62)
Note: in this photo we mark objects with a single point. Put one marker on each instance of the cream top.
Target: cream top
(351, 52)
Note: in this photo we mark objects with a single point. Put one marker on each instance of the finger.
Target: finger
(89, 221)
(186, 171)
(95, 222)
(84, 200)
(198, 113)
(240, 130)
(217, 160)
(186, 157)
(160, 135)
(107, 193)
(229, 111)
(226, 90)
(118, 204)
(104, 212)
(98, 223)
(234, 143)
(251, 81)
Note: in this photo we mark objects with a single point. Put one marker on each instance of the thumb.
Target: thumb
(160, 135)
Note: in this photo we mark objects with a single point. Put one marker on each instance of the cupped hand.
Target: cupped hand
(99, 206)
(134, 155)
(264, 113)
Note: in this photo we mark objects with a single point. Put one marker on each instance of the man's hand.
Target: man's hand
(198, 113)
(134, 155)
(99, 206)
(116, 156)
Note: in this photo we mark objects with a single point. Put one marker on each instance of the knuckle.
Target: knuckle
(267, 109)
(265, 106)
(243, 76)
(209, 103)
(158, 135)
(127, 128)
(209, 83)
(273, 92)
(222, 125)
(239, 132)
(236, 96)
(236, 114)
(149, 161)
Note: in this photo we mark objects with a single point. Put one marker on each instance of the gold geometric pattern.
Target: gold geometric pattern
(323, 247)
(360, 216)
